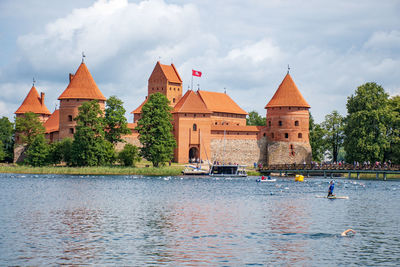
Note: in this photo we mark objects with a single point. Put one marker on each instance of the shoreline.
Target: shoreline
(144, 169)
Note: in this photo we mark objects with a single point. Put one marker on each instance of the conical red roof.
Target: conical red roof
(287, 95)
(53, 123)
(191, 103)
(33, 103)
(82, 86)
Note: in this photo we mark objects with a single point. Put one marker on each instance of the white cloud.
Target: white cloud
(256, 52)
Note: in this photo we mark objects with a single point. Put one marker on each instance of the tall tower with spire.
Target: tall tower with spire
(287, 127)
(81, 88)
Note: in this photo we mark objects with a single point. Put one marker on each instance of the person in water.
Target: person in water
(331, 187)
(348, 231)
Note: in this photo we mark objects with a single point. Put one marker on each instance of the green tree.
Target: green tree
(38, 151)
(115, 121)
(60, 151)
(333, 126)
(155, 130)
(7, 139)
(366, 124)
(28, 127)
(393, 153)
(255, 119)
(90, 148)
(2, 152)
(316, 140)
(129, 155)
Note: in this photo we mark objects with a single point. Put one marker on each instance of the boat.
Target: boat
(194, 170)
(228, 170)
(333, 197)
(263, 179)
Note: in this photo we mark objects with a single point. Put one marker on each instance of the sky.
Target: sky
(243, 47)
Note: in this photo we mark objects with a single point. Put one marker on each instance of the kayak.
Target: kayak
(334, 197)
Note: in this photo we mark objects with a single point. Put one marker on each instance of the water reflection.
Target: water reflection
(288, 217)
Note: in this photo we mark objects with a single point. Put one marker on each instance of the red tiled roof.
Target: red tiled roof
(138, 110)
(220, 102)
(33, 103)
(235, 128)
(170, 73)
(53, 123)
(190, 103)
(82, 86)
(287, 95)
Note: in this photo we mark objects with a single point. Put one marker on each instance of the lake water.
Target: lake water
(180, 221)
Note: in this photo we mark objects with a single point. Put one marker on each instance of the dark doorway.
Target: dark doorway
(193, 154)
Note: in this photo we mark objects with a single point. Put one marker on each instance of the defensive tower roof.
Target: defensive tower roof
(33, 103)
(82, 86)
(169, 71)
(287, 95)
(53, 123)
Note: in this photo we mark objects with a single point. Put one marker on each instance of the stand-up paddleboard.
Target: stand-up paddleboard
(334, 197)
(266, 180)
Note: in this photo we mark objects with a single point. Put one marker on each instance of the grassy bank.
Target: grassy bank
(103, 170)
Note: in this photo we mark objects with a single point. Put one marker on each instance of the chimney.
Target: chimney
(71, 76)
(42, 98)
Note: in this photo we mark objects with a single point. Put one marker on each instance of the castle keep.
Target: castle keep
(207, 126)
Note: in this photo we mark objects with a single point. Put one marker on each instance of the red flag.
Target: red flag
(196, 73)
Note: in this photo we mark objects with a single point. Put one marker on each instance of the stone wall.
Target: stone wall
(19, 153)
(288, 153)
(240, 151)
(129, 139)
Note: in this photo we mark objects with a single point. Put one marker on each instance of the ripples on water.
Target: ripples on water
(175, 221)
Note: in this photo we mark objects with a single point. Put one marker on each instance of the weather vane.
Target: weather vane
(288, 68)
(83, 56)
(33, 81)
(225, 90)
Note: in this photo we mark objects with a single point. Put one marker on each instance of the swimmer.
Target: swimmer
(347, 231)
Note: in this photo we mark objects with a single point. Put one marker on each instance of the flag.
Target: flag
(196, 73)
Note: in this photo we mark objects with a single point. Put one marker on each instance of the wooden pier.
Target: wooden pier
(331, 170)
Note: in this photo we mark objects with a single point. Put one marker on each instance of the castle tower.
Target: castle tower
(288, 125)
(165, 79)
(81, 88)
(34, 103)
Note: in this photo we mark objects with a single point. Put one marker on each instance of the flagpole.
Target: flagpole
(192, 80)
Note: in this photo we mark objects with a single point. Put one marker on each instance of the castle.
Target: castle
(206, 125)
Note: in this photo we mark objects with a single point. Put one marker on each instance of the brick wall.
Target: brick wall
(288, 153)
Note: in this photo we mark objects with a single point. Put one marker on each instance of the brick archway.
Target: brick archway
(194, 154)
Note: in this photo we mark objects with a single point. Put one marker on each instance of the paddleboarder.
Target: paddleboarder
(331, 187)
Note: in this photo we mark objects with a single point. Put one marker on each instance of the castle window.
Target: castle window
(178, 89)
(194, 115)
(174, 88)
(269, 123)
(286, 135)
(71, 130)
(173, 100)
(264, 134)
(170, 89)
(280, 123)
(216, 123)
(194, 127)
(204, 115)
(296, 123)
(272, 135)
(289, 108)
(291, 146)
(300, 135)
(69, 117)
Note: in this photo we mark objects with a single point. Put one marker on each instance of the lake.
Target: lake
(186, 221)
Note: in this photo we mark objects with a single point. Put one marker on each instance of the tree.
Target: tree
(255, 119)
(155, 130)
(2, 152)
(366, 124)
(393, 153)
(38, 151)
(90, 148)
(316, 140)
(115, 121)
(334, 133)
(60, 151)
(129, 155)
(28, 127)
(7, 139)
